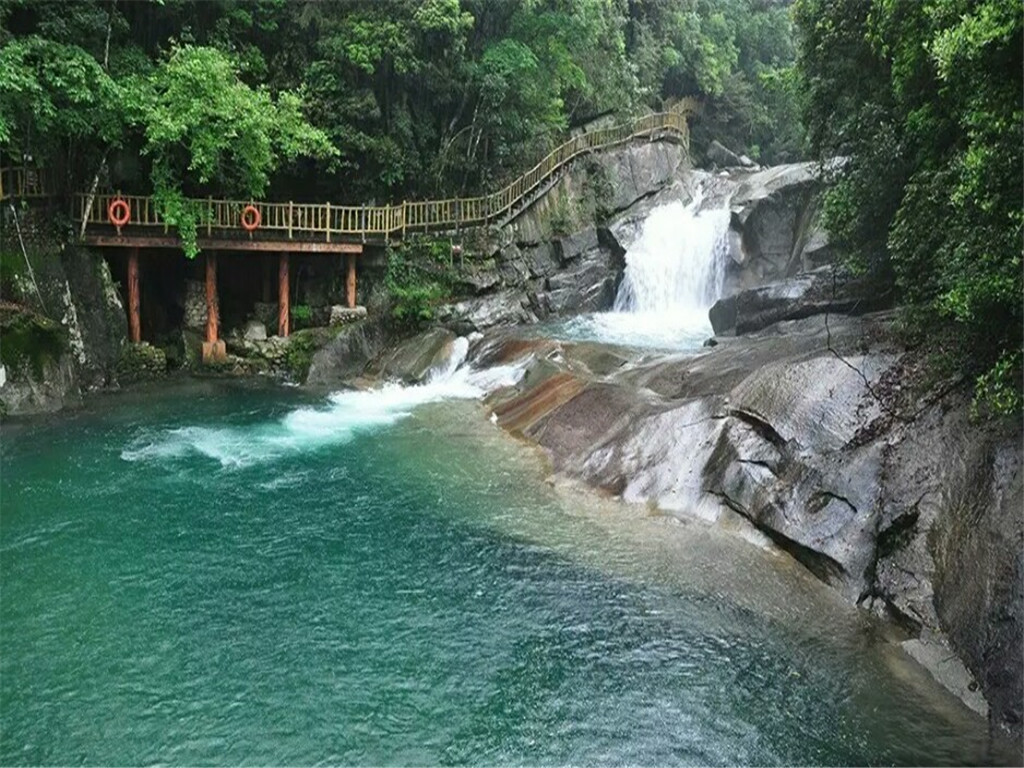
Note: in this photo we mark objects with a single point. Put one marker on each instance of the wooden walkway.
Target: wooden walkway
(286, 228)
(327, 223)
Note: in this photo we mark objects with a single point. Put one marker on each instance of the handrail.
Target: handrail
(22, 181)
(327, 220)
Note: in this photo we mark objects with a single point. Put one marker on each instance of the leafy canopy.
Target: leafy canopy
(925, 99)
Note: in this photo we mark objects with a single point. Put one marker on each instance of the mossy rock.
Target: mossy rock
(29, 339)
(141, 362)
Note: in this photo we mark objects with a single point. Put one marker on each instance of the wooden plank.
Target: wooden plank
(283, 307)
(134, 318)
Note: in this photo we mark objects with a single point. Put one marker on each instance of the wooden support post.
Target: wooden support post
(134, 321)
(214, 350)
(283, 308)
(350, 282)
(211, 296)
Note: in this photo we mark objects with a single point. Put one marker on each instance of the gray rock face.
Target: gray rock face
(639, 170)
(774, 218)
(718, 155)
(254, 331)
(100, 317)
(413, 360)
(899, 503)
(340, 315)
(74, 289)
(347, 354)
(951, 541)
(496, 309)
(826, 289)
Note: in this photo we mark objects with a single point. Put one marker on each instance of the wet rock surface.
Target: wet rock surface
(890, 496)
(70, 290)
(824, 290)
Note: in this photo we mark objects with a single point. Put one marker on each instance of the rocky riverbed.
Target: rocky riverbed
(817, 433)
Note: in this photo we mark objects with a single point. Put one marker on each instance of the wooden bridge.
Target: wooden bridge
(288, 227)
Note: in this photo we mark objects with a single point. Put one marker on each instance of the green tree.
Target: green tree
(925, 100)
(206, 129)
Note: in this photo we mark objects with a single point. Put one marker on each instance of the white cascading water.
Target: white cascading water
(674, 273)
(675, 269)
(345, 415)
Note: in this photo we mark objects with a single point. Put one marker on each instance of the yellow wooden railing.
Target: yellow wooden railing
(22, 181)
(324, 221)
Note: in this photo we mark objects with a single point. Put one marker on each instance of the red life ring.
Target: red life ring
(250, 218)
(119, 212)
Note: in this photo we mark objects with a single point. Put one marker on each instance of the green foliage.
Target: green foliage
(29, 339)
(420, 275)
(364, 101)
(737, 55)
(302, 345)
(51, 93)
(925, 99)
(302, 313)
(203, 124)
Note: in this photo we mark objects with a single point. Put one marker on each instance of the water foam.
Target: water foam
(674, 272)
(345, 415)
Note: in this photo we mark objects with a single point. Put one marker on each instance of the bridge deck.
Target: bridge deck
(239, 243)
(287, 228)
(291, 224)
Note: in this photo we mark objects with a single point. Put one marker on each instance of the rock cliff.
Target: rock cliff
(66, 300)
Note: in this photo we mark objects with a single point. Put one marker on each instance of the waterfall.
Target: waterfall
(674, 272)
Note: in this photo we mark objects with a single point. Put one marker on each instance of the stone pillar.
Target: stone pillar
(134, 319)
(284, 308)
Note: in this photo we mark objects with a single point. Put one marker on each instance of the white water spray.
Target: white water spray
(345, 415)
(674, 273)
(675, 270)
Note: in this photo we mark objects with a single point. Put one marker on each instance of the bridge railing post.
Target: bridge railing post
(327, 222)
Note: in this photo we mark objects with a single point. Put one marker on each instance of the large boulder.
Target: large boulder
(718, 155)
(413, 360)
(347, 354)
(509, 307)
(775, 224)
(824, 290)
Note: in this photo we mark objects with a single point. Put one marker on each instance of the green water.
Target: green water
(217, 574)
